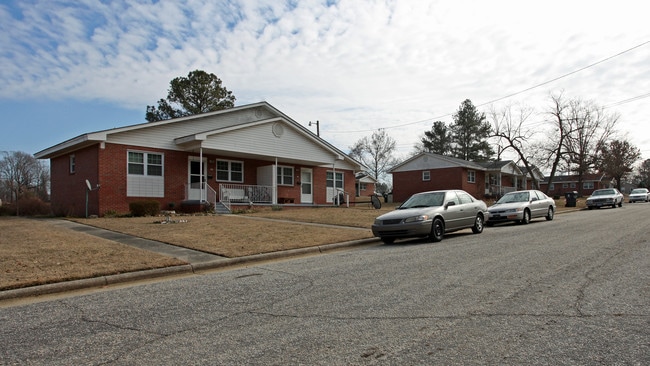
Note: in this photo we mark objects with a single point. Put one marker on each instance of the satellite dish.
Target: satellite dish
(90, 188)
(375, 202)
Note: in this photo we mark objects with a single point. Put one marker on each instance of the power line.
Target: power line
(521, 92)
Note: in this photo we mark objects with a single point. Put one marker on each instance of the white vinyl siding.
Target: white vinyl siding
(145, 174)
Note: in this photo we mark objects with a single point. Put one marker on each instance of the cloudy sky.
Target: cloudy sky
(71, 67)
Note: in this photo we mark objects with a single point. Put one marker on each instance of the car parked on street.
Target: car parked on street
(431, 214)
(605, 197)
(521, 207)
(639, 195)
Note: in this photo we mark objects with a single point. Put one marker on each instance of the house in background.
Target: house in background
(427, 171)
(251, 154)
(562, 184)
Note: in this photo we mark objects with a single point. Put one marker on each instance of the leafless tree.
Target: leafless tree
(592, 129)
(22, 174)
(579, 131)
(375, 152)
(510, 130)
(618, 158)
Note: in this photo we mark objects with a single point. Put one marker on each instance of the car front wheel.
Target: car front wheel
(526, 219)
(387, 240)
(478, 224)
(437, 230)
(549, 214)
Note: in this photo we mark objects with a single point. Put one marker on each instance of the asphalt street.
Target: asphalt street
(573, 291)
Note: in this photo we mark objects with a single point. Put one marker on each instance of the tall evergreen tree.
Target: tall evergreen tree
(470, 132)
(197, 93)
(438, 140)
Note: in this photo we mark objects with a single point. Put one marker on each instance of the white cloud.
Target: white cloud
(354, 65)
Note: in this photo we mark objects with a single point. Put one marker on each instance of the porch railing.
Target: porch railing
(244, 193)
(499, 191)
(210, 194)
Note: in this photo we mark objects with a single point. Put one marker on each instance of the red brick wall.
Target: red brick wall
(408, 183)
(108, 167)
(68, 193)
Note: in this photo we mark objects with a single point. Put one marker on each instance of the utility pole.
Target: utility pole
(317, 127)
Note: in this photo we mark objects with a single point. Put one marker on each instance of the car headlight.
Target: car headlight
(377, 222)
(416, 218)
(513, 210)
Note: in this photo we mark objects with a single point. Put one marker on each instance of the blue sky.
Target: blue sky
(71, 67)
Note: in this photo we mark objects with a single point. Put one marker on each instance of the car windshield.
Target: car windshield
(515, 197)
(603, 192)
(639, 190)
(424, 200)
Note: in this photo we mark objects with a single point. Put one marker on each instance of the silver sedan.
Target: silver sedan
(431, 214)
(605, 197)
(521, 207)
(639, 195)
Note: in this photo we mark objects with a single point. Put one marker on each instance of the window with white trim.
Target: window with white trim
(551, 187)
(145, 163)
(285, 175)
(426, 175)
(230, 171)
(332, 182)
(73, 164)
(471, 176)
(145, 174)
(588, 185)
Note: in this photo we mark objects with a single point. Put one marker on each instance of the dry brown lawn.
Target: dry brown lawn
(36, 251)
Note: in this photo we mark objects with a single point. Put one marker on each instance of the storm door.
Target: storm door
(196, 186)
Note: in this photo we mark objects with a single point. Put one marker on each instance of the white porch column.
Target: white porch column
(201, 173)
(275, 182)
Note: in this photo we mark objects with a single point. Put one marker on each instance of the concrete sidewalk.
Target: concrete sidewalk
(197, 261)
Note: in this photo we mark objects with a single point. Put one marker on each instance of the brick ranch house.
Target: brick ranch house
(562, 184)
(427, 172)
(251, 154)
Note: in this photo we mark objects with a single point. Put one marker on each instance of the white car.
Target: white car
(521, 207)
(639, 194)
(605, 197)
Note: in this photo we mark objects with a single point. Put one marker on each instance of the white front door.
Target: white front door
(334, 184)
(196, 186)
(306, 186)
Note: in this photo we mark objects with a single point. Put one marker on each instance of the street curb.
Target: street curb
(101, 281)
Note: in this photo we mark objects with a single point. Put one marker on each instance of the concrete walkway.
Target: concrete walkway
(188, 255)
(197, 260)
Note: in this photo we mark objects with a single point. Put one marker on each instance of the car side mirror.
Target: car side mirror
(534, 199)
(450, 203)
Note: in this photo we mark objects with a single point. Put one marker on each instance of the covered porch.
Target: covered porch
(268, 162)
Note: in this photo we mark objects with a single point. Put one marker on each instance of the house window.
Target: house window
(426, 176)
(230, 171)
(332, 182)
(73, 164)
(471, 176)
(573, 185)
(141, 163)
(145, 174)
(285, 175)
(588, 185)
(565, 185)
(551, 187)
(362, 186)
